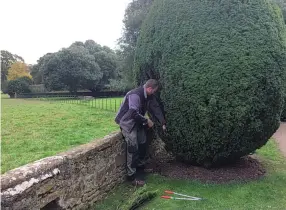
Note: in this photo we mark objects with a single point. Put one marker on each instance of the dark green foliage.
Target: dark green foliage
(135, 14)
(80, 66)
(7, 59)
(283, 115)
(220, 64)
(107, 61)
(139, 198)
(18, 86)
(282, 5)
(73, 68)
(37, 70)
(25, 79)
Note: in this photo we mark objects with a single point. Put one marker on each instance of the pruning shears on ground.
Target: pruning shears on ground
(184, 197)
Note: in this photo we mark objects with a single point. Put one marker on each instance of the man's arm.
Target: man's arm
(155, 110)
(134, 104)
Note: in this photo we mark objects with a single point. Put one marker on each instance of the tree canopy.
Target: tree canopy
(81, 66)
(7, 59)
(135, 15)
(73, 68)
(17, 70)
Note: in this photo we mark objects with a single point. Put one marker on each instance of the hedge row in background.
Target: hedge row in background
(63, 94)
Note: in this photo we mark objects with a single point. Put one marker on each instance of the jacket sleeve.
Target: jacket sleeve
(134, 105)
(155, 110)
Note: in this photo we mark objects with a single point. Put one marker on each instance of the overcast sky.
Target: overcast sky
(32, 28)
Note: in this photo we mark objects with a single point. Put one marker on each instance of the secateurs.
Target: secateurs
(184, 197)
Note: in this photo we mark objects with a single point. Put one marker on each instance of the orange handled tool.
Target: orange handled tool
(186, 197)
(166, 197)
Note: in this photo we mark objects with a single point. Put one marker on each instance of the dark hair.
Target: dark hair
(152, 83)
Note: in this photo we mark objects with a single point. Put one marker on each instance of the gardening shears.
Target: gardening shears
(185, 197)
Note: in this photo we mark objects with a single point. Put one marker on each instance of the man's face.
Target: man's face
(151, 91)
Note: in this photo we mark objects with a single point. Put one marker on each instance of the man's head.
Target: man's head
(151, 86)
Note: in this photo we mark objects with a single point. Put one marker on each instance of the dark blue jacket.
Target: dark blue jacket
(134, 107)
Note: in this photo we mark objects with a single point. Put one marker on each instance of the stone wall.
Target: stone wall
(71, 180)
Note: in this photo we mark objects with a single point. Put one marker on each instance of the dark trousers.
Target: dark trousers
(136, 149)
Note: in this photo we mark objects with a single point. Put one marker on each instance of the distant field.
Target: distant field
(34, 129)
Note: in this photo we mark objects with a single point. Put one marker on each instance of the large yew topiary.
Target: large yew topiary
(220, 64)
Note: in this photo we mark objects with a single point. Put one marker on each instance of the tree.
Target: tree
(26, 79)
(18, 86)
(7, 59)
(73, 68)
(220, 65)
(17, 70)
(134, 16)
(37, 69)
(123, 80)
(107, 61)
(108, 64)
(283, 115)
(282, 5)
(36, 74)
(82, 65)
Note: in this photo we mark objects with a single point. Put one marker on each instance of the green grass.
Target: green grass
(34, 129)
(269, 192)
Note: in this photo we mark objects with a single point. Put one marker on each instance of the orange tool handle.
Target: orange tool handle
(166, 197)
(169, 192)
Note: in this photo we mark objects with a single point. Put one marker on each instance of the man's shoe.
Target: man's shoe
(136, 181)
(145, 169)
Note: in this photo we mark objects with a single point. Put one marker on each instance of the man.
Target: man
(133, 124)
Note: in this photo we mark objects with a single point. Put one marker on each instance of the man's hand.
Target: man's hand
(150, 123)
(164, 128)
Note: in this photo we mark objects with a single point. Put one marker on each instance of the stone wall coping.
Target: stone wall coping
(27, 175)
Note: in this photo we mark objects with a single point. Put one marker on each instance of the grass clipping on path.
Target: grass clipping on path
(138, 198)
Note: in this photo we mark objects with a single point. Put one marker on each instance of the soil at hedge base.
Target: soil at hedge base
(245, 169)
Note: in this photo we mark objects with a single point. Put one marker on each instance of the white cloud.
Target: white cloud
(32, 28)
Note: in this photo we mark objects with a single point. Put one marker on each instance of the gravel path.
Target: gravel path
(280, 137)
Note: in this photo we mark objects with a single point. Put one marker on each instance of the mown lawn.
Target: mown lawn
(269, 192)
(34, 129)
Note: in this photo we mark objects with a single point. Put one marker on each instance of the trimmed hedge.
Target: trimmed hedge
(220, 64)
